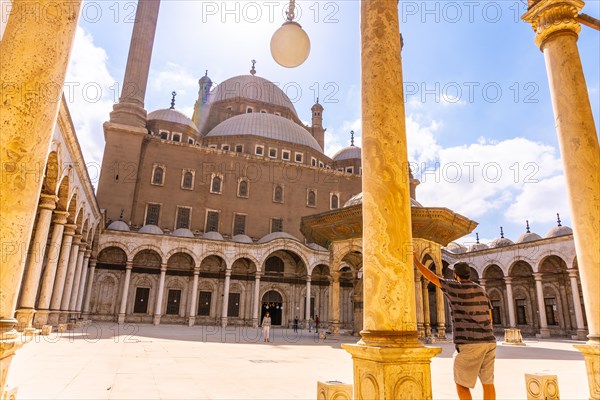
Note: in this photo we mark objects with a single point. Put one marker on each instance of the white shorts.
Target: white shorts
(473, 360)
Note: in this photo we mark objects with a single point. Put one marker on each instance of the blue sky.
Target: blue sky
(479, 117)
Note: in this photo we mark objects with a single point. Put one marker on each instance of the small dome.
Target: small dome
(252, 87)
(478, 246)
(212, 236)
(315, 246)
(559, 231)
(152, 229)
(268, 126)
(528, 237)
(241, 239)
(347, 153)
(358, 199)
(456, 248)
(182, 232)
(501, 242)
(276, 235)
(171, 115)
(118, 226)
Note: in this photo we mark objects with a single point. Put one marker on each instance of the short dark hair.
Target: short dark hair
(462, 270)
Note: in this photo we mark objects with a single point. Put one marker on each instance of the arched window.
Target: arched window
(158, 176)
(215, 186)
(188, 180)
(278, 194)
(335, 202)
(274, 265)
(311, 198)
(243, 188)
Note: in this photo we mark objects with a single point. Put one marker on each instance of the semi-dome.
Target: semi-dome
(276, 235)
(456, 248)
(118, 226)
(252, 87)
(347, 153)
(559, 231)
(152, 229)
(182, 232)
(358, 199)
(212, 236)
(172, 115)
(269, 126)
(241, 239)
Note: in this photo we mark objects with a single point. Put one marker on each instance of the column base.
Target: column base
(581, 334)
(427, 330)
(53, 317)
(121, 319)
(156, 320)
(399, 372)
(63, 317)
(544, 333)
(441, 332)
(223, 322)
(591, 356)
(255, 322)
(335, 328)
(41, 318)
(191, 321)
(24, 317)
(128, 114)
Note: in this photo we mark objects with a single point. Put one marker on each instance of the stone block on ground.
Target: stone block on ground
(334, 390)
(542, 386)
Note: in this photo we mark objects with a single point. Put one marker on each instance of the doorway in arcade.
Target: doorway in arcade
(272, 303)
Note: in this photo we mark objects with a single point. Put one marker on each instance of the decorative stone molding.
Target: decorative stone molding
(548, 17)
(334, 390)
(542, 386)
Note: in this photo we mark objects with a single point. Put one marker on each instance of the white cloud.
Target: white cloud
(532, 203)
(90, 91)
(173, 78)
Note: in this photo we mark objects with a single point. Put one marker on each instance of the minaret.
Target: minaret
(130, 109)
(204, 86)
(317, 124)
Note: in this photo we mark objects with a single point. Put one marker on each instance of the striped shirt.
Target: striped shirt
(470, 308)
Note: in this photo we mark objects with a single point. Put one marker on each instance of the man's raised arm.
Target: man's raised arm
(430, 276)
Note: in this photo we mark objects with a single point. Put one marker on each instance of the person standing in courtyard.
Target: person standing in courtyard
(316, 324)
(266, 327)
(296, 322)
(473, 333)
(310, 324)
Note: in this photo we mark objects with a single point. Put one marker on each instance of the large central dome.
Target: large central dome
(268, 126)
(252, 87)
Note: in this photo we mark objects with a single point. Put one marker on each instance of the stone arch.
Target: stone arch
(213, 263)
(181, 261)
(520, 268)
(492, 271)
(249, 257)
(51, 174)
(72, 202)
(185, 251)
(243, 266)
(112, 254)
(552, 264)
(290, 246)
(119, 245)
(62, 192)
(289, 257)
(267, 297)
(147, 258)
(148, 246)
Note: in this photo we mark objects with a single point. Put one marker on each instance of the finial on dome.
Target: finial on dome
(253, 70)
(206, 73)
(351, 138)
(121, 215)
(527, 222)
(173, 100)
(501, 233)
(317, 100)
(558, 219)
(477, 236)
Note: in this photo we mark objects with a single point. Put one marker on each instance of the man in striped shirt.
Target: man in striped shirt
(472, 330)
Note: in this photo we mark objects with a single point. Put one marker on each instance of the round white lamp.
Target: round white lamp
(290, 45)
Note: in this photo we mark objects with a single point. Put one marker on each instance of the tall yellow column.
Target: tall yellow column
(335, 302)
(34, 54)
(389, 361)
(557, 31)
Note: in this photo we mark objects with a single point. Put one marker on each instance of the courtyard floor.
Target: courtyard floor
(108, 361)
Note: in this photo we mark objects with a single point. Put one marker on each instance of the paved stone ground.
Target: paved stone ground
(107, 361)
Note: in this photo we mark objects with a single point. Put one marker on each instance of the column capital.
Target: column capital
(573, 273)
(77, 239)
(88, 253)
(335, 276)
(93, 262)
(70, 229)
(508, 280)
(60, 217)
(196, 271)
(548, 17)
(482, 282)
(228, 272)
(129, 265)
(163, 267)
(537, 276)
(258, 275)
(48, 201)
(308, 278)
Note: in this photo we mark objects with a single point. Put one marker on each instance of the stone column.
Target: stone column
(426, 314)
(482, 283)
(88, 291)
(159, 297)
(307, 300)
(225, 298)
(335, 302)
(130, 109)
(82, 280)
(544, 331)
(389, 354)
(61, 274)
(35, 54)
(43, 303)
(256, 303)
(511, 302)
(557, 31)
(193, 305)
(33, 271)
(125, 293)
(419, 304)
(77, 278)
(577, 304)
(66, 296)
